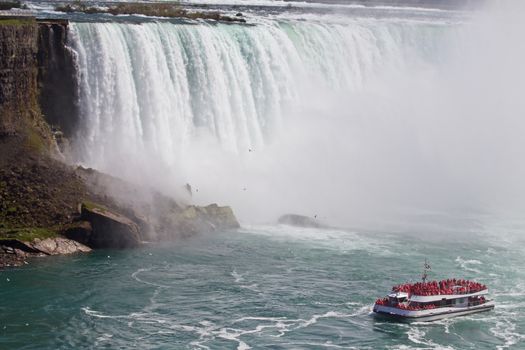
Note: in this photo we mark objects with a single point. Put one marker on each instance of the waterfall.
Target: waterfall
(174, 103)
(148, 89)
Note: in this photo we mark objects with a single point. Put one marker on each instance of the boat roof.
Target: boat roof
(398, 295)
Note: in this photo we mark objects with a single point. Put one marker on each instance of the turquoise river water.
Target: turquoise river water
(272, 287)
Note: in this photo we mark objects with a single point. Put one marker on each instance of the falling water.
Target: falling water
(157, 96)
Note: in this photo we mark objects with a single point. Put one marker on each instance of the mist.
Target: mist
(430, 136)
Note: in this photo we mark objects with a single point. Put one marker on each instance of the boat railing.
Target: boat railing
(444, 287)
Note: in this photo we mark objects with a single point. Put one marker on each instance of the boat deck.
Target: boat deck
(430, 315)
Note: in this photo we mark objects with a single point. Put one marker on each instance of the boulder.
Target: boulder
(10, 256)
(183, 223)
(220, 217)
(194, 219)
(144, 225)
(110, 229)
(14, 245)
(14, 252)
(79, 231)
(300, 221)
(58, 246)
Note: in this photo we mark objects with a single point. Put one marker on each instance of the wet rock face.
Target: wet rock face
(195, 219)
(57, 76)
(159, 217)
(11, 256)
(18, 83)
(220, 217)
(110, 229)
(37, 193)
(79, 231)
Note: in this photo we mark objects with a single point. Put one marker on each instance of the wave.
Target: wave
(506, 330)
(135, 276)
(206, 331)
(340, 240)
(467, 264)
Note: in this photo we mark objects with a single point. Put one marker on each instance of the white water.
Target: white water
(338, 119)
(160, 83)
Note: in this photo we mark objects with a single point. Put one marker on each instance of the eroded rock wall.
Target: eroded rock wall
(57, 77)
(18, 74)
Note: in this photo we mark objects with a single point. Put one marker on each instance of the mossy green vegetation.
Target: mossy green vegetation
(92, 205)
(35, 142)
(170, 10)
(27, 234)
(19, 21)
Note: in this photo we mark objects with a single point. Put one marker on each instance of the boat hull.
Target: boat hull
(431, 315)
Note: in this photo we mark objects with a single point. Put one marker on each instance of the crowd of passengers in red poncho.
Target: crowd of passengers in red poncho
(417, 306)
(444, 287)
(412, 307)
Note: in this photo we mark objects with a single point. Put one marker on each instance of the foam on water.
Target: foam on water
(330, 238)
(208, 331)
(467, 264)
(191, 294)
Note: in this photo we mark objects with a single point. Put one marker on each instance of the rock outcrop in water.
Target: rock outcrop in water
(158, 217)
(193, 219)
(58, 246)
(16, 252)
(109, 229)
(300, 221)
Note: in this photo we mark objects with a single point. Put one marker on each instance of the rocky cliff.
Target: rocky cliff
(57, 76)
(19, 108)
(42, 199)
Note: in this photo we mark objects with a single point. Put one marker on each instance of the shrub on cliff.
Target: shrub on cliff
(8, 5)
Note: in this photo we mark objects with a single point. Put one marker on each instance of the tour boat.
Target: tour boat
(433, 300)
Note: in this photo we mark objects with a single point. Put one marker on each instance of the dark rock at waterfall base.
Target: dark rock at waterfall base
(159, 217)
(300, 221)
(57, 79)
(220, 217)
(11, 256)
(110, 229)
(79, 231)
(195, 219)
